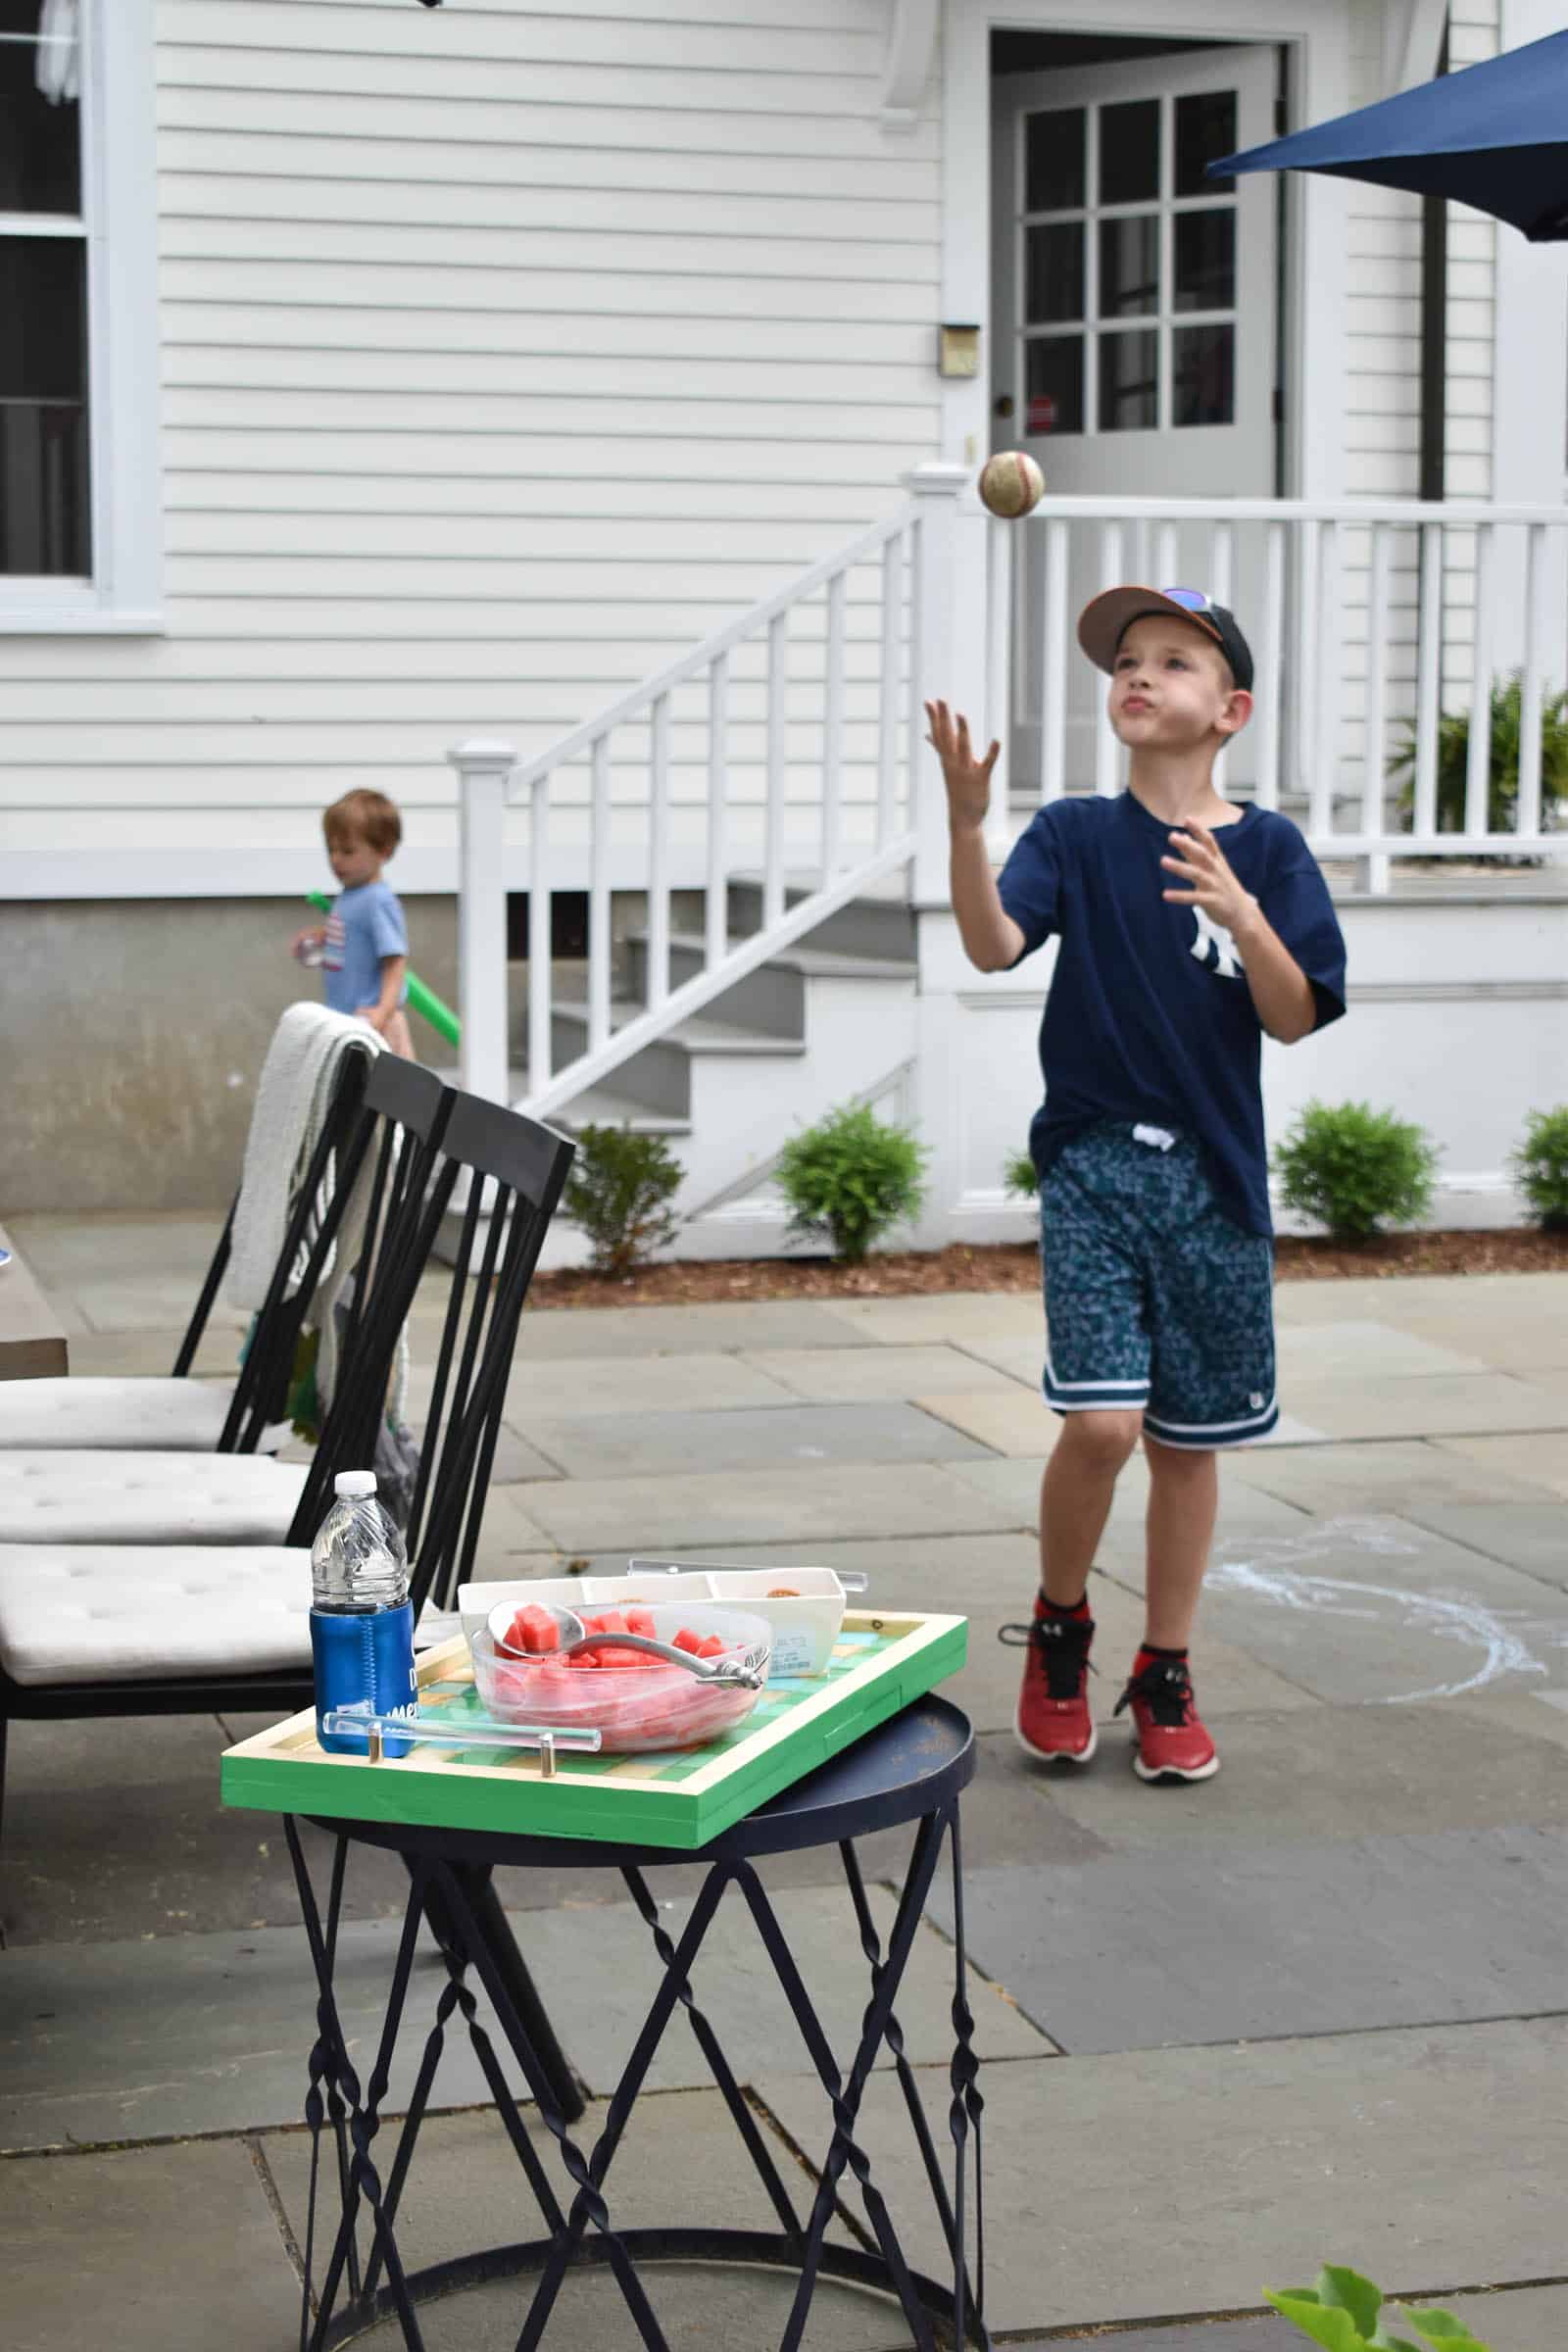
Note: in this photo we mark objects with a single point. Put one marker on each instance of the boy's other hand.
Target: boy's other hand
(313, 936)
(967, 779)
(1209, 883)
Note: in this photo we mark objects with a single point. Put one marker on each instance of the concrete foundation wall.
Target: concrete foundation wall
(132, 1033)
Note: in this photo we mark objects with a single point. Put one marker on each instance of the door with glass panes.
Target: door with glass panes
(1134, 323)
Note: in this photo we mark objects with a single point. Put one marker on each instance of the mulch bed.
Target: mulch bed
(1014, 1266)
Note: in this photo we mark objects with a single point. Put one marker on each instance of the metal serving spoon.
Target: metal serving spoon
(574, 1636)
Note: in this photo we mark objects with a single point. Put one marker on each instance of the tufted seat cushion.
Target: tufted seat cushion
(108, 1613)
(52, 1497)
(173, 1416)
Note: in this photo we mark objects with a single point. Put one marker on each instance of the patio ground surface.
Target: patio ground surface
(1313, 2010)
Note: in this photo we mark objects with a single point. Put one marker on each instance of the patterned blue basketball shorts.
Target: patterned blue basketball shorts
(1154, 1298)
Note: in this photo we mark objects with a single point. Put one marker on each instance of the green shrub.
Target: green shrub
(1343, 2314)
(1020, 1176)
(1502, 793)
(618, 1191)
(851, 1177)
(1355, 1169)
(1541, 1164)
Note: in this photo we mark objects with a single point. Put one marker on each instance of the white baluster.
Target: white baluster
(773, 816)
(1108, 751)
(601, 953)
(1478, 761)
(1221, 564)
(482, 771)
(887, 738)
(659, 857)
(715, 925)
(1429, 680)
(1266, 684)
(1376, 867)
(1326, 765)
(1166, 559)
(540, 1059)
(1054, 665)
(1526, 815)
(833, 730)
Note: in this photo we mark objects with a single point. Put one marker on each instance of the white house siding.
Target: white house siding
(507, 351)
(1382, 395)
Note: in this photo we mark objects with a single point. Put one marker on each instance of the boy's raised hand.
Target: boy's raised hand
(967, 779)
(1208, 882)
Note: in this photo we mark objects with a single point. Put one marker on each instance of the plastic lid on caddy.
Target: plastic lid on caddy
(350, 1484)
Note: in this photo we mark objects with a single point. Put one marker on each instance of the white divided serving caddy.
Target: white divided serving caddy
(804, 1605)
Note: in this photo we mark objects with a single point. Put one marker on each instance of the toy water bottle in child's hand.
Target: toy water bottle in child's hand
(361, 1621)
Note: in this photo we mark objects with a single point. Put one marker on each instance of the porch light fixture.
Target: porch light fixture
(958, 350)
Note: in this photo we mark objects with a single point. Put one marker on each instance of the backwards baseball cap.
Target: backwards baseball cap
(1107, 619)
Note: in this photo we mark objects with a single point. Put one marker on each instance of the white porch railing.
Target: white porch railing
(788, 746)
(782, 747)
(1368, 621)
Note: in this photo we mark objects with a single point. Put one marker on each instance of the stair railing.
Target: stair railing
(791, 738)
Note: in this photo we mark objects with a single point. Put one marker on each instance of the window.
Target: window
(1120, 226)
(78, 472)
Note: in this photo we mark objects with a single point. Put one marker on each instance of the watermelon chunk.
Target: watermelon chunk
(688, 1641)
(711, 1646)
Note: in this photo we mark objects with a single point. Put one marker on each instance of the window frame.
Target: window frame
(119, 175)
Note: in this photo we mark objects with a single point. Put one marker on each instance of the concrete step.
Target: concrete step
(595, 1106)
(878, 924)
(659, 1076)
(772, 998)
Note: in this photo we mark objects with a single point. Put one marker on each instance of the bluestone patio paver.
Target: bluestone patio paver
(1360, 1349)
(1435, 2152)
(612, 1386)
(1329, 1772)
(1384, 1475)
(858, 1375)
(553, 1335)
(213, 2029)
(1010, 1421)
(807, 1503)
(792, 1434)
(1536, 1462)
(1532, 1537)
(1427, 1405)
(952, 1316)
(147, 2248)
(466, 2190)
(1276, 1940)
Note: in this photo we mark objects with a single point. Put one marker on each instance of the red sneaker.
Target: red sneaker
(1172, 1742)
(1054, 1719)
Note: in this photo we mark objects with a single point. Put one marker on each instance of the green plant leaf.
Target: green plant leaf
(1441, 2327)
(1328, 2325)
(1346, 2291)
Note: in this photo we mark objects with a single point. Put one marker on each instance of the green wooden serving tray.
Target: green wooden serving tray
(879, 1665)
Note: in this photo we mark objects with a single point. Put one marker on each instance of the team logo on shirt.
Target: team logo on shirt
(1215, 949)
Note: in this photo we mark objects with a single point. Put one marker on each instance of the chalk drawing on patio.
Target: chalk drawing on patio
(1276, 1572)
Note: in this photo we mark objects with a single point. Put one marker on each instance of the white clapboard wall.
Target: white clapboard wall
(507, 351)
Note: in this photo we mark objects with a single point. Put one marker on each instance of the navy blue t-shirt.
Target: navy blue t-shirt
(1148, 1016)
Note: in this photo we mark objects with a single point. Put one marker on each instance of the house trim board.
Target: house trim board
(120, 204)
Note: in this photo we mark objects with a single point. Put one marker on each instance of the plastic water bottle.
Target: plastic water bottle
(361, 1621)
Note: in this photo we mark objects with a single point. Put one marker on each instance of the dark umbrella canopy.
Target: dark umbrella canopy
(1494, 137)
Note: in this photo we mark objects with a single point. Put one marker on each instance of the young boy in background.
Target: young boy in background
(363, 944)
(1188, 926)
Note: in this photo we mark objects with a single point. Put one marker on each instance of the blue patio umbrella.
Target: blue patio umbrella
(1494, 137)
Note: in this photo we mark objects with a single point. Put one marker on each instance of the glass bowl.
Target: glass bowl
(636, 1710)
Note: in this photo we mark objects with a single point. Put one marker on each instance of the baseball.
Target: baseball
(1012, 483)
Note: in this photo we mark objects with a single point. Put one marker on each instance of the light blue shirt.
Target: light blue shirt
(363, 928)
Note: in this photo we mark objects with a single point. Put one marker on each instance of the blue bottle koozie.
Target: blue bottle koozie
(362, 1623)
(364, 1658)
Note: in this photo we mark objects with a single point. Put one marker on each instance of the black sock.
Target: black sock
(1078, 1609)
(1148, 1650)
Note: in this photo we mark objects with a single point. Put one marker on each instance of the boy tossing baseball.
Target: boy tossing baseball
(1188, 926)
